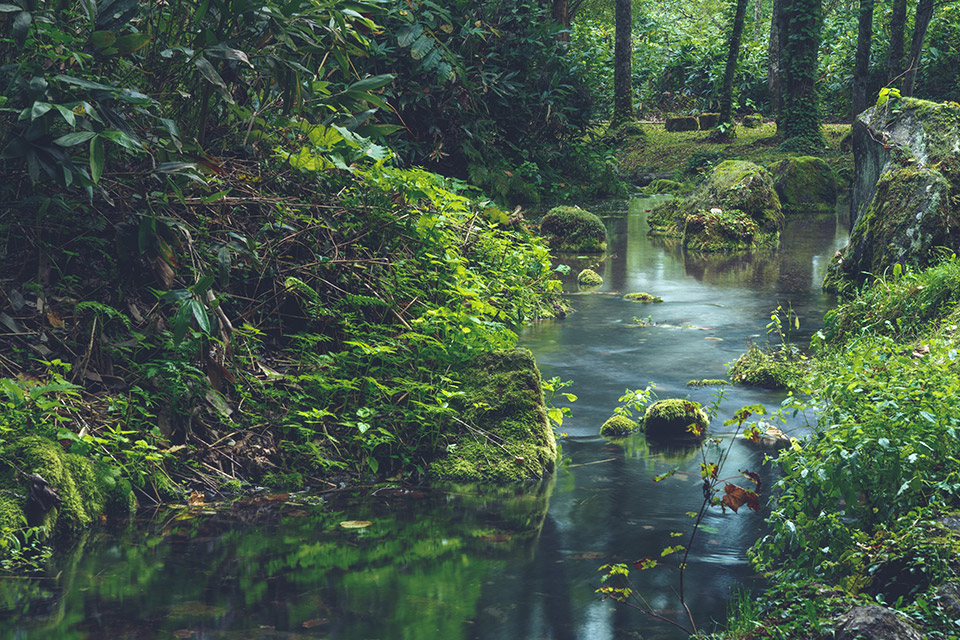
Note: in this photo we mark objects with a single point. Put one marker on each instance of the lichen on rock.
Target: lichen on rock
(906, 183)
(509, 436)
(574, 230)
(675, 420)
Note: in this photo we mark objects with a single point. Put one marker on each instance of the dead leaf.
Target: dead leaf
(735, 497)
(196, 498)
(315, 622)
(355, 524)
(55, 320)
(921, 351)
(184, 633)
(11, 324)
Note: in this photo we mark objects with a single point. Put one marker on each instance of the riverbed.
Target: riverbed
(458, 562)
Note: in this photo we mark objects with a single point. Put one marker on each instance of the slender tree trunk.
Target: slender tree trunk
(561, 14)
(622, 54)
(799, 121)
(898, 25)
(861, 66)
(733, 52)
(773, 61)
(920, 24)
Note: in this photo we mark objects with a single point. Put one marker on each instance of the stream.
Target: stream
(458, 562)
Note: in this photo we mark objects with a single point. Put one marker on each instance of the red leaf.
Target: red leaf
(735, 497)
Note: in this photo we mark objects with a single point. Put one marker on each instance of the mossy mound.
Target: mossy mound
(708, 382)
(751, 122)
(777, 370)
(589, 278)
(681, 123)
(708, 120)
(736, 208)
(617, 426)
(675, 420)
(628, 133)
(509, 437)
(805, 183)
(665, 185)
(574, 230)
(642, 296)
(86, 492)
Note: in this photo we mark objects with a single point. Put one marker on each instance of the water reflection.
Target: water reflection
(454, 563)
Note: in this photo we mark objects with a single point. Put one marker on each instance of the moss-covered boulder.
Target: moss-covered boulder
(906, 184)
(675, 420)
(681, 123)
(589, 278)
(618, 426)
(751, 122)
(574, 230)
(805, 183)
(664, 186)
(736, 208)
(507, 435)
(642, 296)
(86, 492)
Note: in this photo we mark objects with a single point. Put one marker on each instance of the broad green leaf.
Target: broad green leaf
(102, 39)
(86, 84)
(228, 53)
(181, 322)
(75, 138)
(97, 159)
(421, 47)
(21, 27)
(68, 115)
(39, 109)
(200, 314)
(372, 83)
(132, 42)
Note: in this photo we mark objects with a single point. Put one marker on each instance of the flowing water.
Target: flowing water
(462, 563)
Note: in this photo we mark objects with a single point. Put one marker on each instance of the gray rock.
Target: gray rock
(873, 622)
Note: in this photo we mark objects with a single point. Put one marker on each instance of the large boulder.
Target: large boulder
(805, 183)
(736, 208)
(907, 178)
(675, 420)
(874, 622)
(574, 230)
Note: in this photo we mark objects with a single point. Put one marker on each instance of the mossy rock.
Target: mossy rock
(642, 296)
(736, 208)
(752, 122)
(681, 123)
(767, 369)
(589, 278)
(86, 492)
(618, 426)
(510, 437)
(628, 133)
(675, 420)
(708, 382)
(664, 186)
(805, 183)
(708, 120)
(574, 230)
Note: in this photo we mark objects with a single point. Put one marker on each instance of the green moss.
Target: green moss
(284, 481)
(589, 278)
(708, 120)
(618, 426)
(11, 513)
(708, 382)
(664, 185)
(574, 230)
(730, 230)
(642, 296)
(509, 436)
(681, 123)
(676, 420)
(805, 183)
(663, 219)
(751, 122)
(768, 369)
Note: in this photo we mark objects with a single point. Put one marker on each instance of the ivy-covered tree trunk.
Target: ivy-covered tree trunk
(799, 121)
(898, 25)
(773, 59)
(622, 52)
(861, 65)
(733, 52)
(920, 24)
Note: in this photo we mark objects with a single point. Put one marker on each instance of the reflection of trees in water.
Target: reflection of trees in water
(755, 269)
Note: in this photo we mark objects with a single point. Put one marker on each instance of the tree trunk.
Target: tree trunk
(898, 24)
(799, 121)
(561, 14)
(622, 53)
(861, 66)
(920, 24)
(773, 60)
(733, 52)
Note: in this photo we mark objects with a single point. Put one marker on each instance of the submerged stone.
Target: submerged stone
(589, 278)
(805, 183)
(618, 426)
(508, 436)
(907, 157)
(574, 230)
(675, 420)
